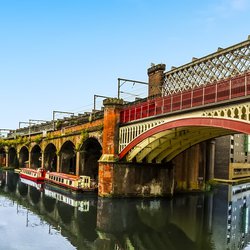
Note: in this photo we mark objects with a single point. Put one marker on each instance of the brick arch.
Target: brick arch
(50, 157)
(23, 156)
(233, 126)
(2, 156)
(13, 160)
(67, 157)
(35, 156)
(90, 153)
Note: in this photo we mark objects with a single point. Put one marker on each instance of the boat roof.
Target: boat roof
(65, 176)
(29, 169)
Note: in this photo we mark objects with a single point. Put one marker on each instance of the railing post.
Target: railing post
(216, 90)
(171, 103)
(230, 89)
(203, 95)
(181, 101)
(245, 85)
(191, 101)
(163, 104)
(148, 108)
(155, 107)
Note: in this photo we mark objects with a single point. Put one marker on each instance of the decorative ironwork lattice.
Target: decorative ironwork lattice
(217, 66)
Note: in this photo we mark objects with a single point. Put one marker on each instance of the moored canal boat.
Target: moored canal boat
(33, 174)
(80, 183)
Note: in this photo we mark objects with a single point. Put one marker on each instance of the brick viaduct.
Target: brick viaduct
(88, 145)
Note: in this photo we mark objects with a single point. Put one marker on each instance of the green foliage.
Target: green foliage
(38, 139)
(84, 137)
(59, 125)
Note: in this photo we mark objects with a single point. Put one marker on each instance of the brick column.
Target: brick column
(77, 162)
(156, 79)
(29, 160)
(42, 159)
(58, 163)
(7, 158)
(211, 160)
(110, 145)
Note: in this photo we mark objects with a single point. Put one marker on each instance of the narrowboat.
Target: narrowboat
(33, 174)
(80, 183)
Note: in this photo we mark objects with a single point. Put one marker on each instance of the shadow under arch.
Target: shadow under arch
(13, 160)
(2, 157)
(23, 156)
(35, 157)
(68, 158)
(90, 153)
(50, 157)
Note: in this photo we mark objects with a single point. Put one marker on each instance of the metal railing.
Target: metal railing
(227, 89)
(222, 64)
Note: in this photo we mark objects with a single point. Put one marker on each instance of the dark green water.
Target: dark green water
(42, 218)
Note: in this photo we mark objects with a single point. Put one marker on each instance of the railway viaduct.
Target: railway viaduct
(153, 146)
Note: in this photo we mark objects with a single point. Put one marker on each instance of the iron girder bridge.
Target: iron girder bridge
(204, 99)
(220, 65)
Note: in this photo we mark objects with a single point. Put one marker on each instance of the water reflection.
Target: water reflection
(216, 220)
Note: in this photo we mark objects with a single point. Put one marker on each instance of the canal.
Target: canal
(42, 217)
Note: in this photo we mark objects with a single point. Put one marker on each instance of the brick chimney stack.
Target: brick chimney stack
(156, 79)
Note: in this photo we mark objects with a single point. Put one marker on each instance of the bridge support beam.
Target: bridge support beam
(190, 169)
(194, 168)
(211, 160)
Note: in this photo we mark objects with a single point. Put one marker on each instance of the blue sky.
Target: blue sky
(56, 54)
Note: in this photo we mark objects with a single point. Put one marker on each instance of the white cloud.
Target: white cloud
(239, 5)
(229, 8)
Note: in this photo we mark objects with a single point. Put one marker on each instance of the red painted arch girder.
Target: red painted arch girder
(237, 126)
